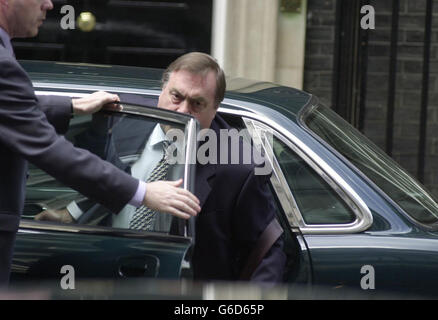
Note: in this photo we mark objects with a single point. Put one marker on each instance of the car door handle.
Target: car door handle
(144, 266)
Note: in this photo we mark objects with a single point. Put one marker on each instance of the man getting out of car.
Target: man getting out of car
(236, 204)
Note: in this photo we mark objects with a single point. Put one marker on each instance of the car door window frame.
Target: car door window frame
(257, 124)
(191, 130)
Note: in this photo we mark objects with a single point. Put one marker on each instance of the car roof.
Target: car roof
(285, 100)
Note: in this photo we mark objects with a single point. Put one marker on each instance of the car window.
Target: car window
(132, 143)
(408, 193)
(316, 200)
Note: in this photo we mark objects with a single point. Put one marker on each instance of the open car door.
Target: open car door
(100, 244)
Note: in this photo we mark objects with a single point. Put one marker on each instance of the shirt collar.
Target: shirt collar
(157, 135)
(6, 39)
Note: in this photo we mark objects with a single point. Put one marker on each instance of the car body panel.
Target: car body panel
(400, 262)
(40, 254)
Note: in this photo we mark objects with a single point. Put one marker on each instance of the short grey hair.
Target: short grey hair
(198, 63)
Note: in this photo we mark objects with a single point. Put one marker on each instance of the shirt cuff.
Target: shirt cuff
(137, 199)
(74, 210)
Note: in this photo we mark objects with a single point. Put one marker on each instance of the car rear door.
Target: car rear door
(319, 206)
(99, 244)
(298, 271)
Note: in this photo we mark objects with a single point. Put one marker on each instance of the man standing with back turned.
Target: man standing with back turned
(29, 131)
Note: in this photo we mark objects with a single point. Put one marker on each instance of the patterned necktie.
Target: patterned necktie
(143, 217)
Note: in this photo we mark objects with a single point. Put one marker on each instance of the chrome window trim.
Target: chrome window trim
(155, 113)
(159, 114)
(191, 153)
(364, 218)
(283, 192)
(191, 127)
(88, 88)
(25, 225)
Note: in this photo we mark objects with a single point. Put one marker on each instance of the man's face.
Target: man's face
(191, 93)
(26, 16)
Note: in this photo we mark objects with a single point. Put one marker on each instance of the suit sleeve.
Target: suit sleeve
(57, 110)
(97, 139)
(255, 209)
(25, 130)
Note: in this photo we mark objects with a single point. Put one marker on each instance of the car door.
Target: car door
(316, 214)
(99, 244)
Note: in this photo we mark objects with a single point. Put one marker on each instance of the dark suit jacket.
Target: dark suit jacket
(237, 205)
(27, 133)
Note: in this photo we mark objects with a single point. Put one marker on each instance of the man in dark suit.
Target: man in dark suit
(237, 205)
(29, 131)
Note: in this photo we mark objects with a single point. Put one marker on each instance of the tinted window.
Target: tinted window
(131, 143)
(373, 162)
(316, 200)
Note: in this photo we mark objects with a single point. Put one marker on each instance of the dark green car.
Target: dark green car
(352, 217)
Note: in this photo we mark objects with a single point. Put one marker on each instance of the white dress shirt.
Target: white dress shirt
(142, 168)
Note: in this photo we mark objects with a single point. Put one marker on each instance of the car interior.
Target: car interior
(117, 138)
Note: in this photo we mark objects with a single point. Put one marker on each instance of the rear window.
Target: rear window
(389, 176)
(307, 185)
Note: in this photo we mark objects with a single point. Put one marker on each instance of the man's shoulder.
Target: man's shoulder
(10, 66)
(5, 56)
(237, 160)
(233, 146)
(13, 78)
(5, 59)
